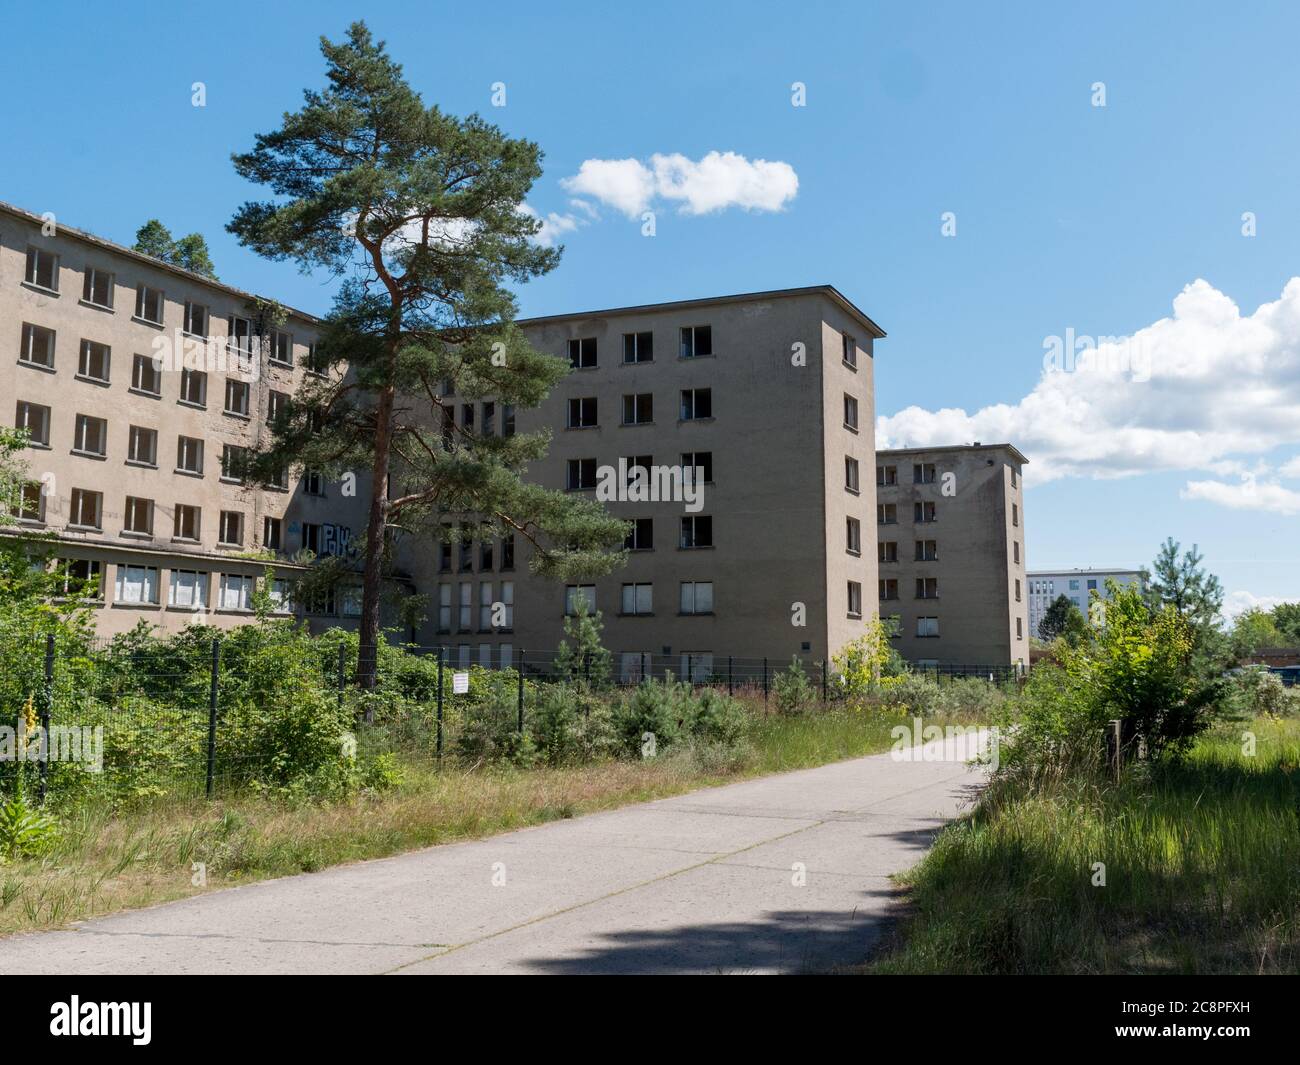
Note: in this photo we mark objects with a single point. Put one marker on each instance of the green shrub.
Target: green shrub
(571, 724)
(1258, 692)
(860, 665)
(1137, 668)
(381, 772)
(24, 831)
(718, 727)
(792, 689)
(486, 720)
(716, 717)
(910, 695)
(970, 699)
(657, 708)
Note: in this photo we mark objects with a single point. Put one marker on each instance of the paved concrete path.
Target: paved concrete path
(700, 883)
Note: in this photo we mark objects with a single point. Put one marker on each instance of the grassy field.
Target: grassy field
(1202, 872)
(105, 862)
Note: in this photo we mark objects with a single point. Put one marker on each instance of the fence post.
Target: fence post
(342, 672)
(731, 687)
(442, 655)
(764, 683)
(823, 682)
(212, 716)
(1114, 750)
(47, 707)
(521, 691)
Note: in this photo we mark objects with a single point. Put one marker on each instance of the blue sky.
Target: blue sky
(1069, 216)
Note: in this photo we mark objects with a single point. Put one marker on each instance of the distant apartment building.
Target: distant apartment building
(950, 531)
(139, 383)
(1075, 584)
(770, 397)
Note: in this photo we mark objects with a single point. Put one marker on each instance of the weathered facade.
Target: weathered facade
(950, 528)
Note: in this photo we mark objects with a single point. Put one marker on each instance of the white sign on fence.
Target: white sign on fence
(460, 684)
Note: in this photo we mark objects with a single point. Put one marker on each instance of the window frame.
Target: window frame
(632, 401)
(225, 520)
(140, 366)
(27, 342)
(131, 511)
(23, 409)
(689, 342)
(141, 291)
(76, 512)
(636, 588)
(182, 450)
(694, 595)
(32, 271)
(695, 523)
(633, 343)
(236, 387)
(581, 410)
(81, 425)
(690, 400)
(179, 513)
(124, 570)
(88, 349)
(578, 351)
(91, 275)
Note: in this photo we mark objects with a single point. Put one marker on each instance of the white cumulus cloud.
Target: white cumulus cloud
(1202, 390)
(1247, 494)
(554, 224)
(715, 182)
(624, 184)
(1239, 602)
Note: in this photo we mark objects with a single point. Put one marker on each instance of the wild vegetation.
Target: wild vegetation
(308, 773)
(1184, 862)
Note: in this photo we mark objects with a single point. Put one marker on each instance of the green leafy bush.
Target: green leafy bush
(1258, 692)
(24, 831)
(1137, 668)
(909, 695)
(381, 773)
(970, 699)
(485, 721)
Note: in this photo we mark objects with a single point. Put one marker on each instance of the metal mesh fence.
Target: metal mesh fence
(129, 719)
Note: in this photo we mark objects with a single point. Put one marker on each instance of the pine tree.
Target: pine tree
(189, 253)
(421, 213)
(1062, 618)
(1184, 584)
(585, 658)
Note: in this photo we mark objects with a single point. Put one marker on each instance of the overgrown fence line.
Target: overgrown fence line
(199, 715)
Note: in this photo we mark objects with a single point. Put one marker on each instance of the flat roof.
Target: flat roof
(1081, 572)
(63, 229)
(1015, 451)
(829, 291)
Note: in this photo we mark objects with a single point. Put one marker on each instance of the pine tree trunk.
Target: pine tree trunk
(368, 642)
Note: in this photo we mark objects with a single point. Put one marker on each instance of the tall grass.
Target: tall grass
(1200, 859)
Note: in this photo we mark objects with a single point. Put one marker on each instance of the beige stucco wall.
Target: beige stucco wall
(976, 572)
(770, 442)
(66, 395)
